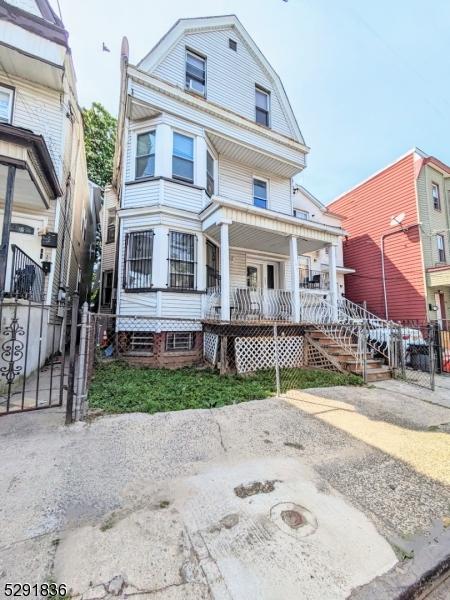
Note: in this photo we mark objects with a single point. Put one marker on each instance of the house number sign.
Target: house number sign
(19, 228)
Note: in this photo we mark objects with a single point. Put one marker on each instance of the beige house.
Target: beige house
(47, 214)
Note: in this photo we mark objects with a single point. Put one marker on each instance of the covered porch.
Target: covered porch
(261, 277)
(28, 184)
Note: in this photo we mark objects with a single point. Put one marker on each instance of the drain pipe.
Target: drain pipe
(383, 270)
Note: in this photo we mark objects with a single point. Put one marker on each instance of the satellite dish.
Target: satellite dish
(398, 220)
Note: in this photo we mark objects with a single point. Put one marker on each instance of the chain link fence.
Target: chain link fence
(282, 355)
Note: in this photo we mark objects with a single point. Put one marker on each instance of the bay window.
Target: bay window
(145, 155)
(138, 260)
(182, 260)
(183, 158)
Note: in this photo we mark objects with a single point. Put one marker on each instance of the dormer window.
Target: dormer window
(6, 104)
(262, 106)
(195, 72)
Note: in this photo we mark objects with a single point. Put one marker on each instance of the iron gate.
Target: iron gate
(34, 358)
(417, 351)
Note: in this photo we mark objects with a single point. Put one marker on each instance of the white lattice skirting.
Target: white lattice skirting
(256, 353)
(210, 347)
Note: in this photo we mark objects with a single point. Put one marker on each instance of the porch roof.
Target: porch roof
(37, 178)
(261, 229)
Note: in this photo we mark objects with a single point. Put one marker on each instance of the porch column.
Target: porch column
(6, 226)
(333, 280)
(295, 278)
(224, 272)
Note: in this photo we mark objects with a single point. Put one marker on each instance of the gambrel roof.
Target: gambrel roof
(205, 24)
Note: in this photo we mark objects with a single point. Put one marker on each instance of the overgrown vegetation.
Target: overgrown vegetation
(118, 387)
(100, 139)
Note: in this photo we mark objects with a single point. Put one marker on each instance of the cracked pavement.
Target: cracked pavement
(140, 506)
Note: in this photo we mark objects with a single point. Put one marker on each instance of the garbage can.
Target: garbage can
(419, 357)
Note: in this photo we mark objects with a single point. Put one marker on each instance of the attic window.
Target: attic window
(195, 73)
(232, 44)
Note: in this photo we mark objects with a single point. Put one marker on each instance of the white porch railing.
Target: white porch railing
(251, 304)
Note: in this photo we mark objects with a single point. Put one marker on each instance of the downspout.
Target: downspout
(383, 271)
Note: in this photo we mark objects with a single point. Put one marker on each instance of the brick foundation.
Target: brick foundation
(162, 358)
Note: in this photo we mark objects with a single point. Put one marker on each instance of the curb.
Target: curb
(410, 578)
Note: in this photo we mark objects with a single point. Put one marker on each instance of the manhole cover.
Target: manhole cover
(293, 519)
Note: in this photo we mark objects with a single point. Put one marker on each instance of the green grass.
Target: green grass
(120, 388)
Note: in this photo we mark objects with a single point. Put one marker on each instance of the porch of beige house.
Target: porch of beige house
(28, 185)
(257, 274)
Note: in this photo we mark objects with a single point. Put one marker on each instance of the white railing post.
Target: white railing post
(295, 279)
(224, 272)
(333, 281)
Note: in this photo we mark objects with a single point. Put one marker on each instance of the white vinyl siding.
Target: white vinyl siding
(236, 183)
(231, 75)
(167, 193)
(41, 111)
(241, 134)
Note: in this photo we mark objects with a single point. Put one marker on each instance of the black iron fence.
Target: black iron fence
(27, 277)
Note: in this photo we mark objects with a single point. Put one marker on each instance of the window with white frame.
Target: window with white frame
(440, 241)
(182, 260)
(262, 106)
(138, 260)
(260, 193)
(183, 158)
(195, 72)
(209, 174)
(436, 193)
(180, 340)
(111, 226)
(212, 265)
(145, 155)
(6, 104)
(301, 214)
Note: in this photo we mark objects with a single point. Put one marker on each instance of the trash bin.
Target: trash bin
(419, 357)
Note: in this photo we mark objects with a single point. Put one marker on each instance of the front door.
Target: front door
(262, 276)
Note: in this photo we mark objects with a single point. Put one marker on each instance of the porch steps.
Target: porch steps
(376, 369)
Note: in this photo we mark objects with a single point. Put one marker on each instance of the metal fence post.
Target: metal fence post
(365, 335)
(81, 382)
(277, 361)
(431, 335)
(73, 343)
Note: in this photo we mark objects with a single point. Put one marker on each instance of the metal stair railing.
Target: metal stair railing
(337, 325)
(381, 334)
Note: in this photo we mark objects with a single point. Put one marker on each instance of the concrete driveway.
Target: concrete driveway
(309, 496)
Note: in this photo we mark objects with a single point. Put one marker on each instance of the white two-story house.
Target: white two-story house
(207, 149)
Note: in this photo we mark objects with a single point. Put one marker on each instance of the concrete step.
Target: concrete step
(378, 374)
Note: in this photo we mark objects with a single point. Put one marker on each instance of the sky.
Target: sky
(367, 80)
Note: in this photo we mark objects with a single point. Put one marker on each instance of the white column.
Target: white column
(333, 279)
(200, 162)
(160, 255)
(224, 273)
(295, 278)
(163, 150)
